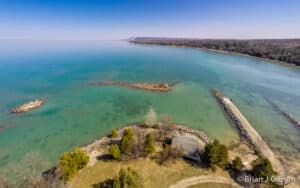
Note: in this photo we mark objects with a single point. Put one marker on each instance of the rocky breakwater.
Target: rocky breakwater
(248, 133)
(291, 119)
(27, 106)
(182, 130)
(285, 114)
(161, 87)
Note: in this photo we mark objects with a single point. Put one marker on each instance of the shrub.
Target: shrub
(115, 152)
(169, 153)
(114, 133)
(262, 168)
(216, 154)
(146, 125)
(116, 183)
(149, 145)
(237, 164)
(71, 162)
(128, 178)
(155, 126)
(163, 85)
(127, 141)
(27, 172)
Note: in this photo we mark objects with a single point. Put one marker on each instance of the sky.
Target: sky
(121, 19)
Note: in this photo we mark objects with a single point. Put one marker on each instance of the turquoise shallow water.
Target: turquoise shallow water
(77, 113)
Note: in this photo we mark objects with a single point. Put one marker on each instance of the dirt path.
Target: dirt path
(204, 179)
(254, 138)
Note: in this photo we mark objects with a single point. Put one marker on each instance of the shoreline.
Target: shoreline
(224, 52)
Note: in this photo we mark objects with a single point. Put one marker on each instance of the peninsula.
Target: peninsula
(161, 87)
(27, 106)
(145, 148)
(150, 153)
(282, 50)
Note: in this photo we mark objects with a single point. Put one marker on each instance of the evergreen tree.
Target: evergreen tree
(149, 145)
(237, 164)
(71, 162)
(115, 152)
(262, 168)
(216, 154)
(128, 178)
(127, 141)
(114, 133)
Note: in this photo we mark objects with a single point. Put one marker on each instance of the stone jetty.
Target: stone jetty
(27, 106)
(161, 87)
(247, 132)
(293, 120)
(285, 114)
(188, 130)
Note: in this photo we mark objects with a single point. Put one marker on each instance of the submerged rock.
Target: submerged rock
(27, 106)
(161, 87)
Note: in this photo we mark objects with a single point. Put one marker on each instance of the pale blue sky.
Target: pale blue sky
(120, 19)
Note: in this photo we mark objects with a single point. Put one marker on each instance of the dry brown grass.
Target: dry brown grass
(153, 174)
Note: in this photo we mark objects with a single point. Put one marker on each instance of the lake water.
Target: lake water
(76, 113)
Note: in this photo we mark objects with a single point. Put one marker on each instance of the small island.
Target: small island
(27, 106)
(149, 86)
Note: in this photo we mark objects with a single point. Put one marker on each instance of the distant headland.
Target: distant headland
(281, 50)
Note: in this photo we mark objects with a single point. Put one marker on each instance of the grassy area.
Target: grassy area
(153, 174)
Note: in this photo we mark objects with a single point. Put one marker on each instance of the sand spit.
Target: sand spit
(27, 106)
(248, 132)
(161, 87)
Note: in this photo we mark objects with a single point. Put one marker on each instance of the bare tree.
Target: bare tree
(139, 145)
(170, 154)
(4, 183)
(165, 128)
(29, 173)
